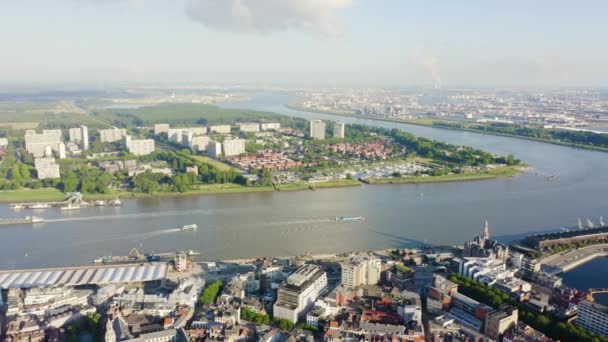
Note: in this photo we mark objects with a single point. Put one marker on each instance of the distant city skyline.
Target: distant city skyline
(325, 42)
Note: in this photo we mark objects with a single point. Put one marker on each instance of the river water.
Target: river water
(276, 224)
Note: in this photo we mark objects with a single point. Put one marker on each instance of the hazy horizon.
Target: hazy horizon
(304, 42)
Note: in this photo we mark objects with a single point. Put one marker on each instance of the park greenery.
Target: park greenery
(582, 138)
(283, 324)
(544, 323)
(211, 292)
(254, 317)
(88, 328)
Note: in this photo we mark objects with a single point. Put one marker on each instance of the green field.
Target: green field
(216, 163)
(29, 195)
(502, 172)
(296, 186)
(181, 114)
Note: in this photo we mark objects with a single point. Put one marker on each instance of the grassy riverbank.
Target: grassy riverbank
(296, 186)
(501, 172)
(431, 123)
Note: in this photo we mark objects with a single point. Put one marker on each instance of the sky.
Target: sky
(443, 43)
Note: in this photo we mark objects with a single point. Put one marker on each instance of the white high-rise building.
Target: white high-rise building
(139, 147)
(80, 135)
(175, 135)
(199, 143)
(339, 129)
(39, 145)
(249, 127)
(161, 128)
(267, 126)
(298, 294)
(233, 147)
(317, 129)
(358, 271)
(214, 149)
(46, 168)
(111, 135)
(593, 316)
(222, 129)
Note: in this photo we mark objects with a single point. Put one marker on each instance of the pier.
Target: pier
(566, 261)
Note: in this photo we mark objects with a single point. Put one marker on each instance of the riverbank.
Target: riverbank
(430, 123)
(297, 186)
(501, 172)
(53, 194)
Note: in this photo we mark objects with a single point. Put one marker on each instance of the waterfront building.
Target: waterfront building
(484, 270)
(269, 126)
(214, 149)
(199, 143)
(46, 168)
(317, 129)
(593, 317)
(550, 240)
(221, 129)
(483, 247)
(233, 147)
(339, 130)
(39, 145)
(358, 271)
(111, 135)
(161, 128)
(249, 127)
(139, 147)
(80, 135)
(297, 295)
(499, 321)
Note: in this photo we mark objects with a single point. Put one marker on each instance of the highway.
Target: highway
(565, 261)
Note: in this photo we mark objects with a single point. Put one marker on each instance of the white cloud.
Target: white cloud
(265, 16)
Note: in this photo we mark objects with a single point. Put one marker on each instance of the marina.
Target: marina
(136, 256)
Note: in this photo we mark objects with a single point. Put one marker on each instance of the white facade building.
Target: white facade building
(339, 130)
(268, 126)
(199, 143)
(358, 271)
(111, 135)
(214, 149)
(222, 129)
(317, 129)
(175, 135)
(38, 145)
(46, 168)
(593, 317)
(298, 294)
(139, 147)
(80, 135)
(161, 128)
(233, 147)
(249, 127)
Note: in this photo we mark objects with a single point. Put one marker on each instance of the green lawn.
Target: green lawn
(29, 195)
(502, 172)
(218, 164)
(306, 185)
(184, 113)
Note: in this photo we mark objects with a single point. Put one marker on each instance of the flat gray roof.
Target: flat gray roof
(84, 275)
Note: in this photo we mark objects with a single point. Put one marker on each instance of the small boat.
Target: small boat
(17, 206)
(347, 218)
(99, 203)
(115, 202)
(191, 252)
(188, 227)
(40, 206)
(70, 207)
(35, 219)
(98, 260)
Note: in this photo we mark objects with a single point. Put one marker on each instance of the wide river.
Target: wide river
(277, 224)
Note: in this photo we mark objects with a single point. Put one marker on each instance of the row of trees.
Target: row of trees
(211, 292)
(546, 324)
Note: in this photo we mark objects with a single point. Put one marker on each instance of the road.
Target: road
(565, 261)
